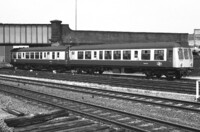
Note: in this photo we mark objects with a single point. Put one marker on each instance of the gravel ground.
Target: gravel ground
(172, 115)
(18, 104)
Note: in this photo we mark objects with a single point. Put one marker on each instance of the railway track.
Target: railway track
(185, 86)
(125, 120)
(146, 99)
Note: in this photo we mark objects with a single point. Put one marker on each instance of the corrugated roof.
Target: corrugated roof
(127, 46)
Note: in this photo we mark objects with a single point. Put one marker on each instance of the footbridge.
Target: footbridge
(25, 34)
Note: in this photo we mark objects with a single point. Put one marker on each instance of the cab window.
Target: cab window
(186, 53)
(180, 54)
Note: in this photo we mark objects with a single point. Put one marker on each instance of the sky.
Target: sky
(174, 16)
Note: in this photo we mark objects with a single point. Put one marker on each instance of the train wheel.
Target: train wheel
(178, 75)
(148, 75)
(100, 72)
(158, 76)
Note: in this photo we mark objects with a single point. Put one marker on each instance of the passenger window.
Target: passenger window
(100, 55)
(170, 54)
(136, 54)
(19, 55)
(186, 54)
(146, 54)
(108, 55)
(45, 55)
(40, 55)
(27, 55)
(58, 54)
(117, 55)
(127, 55)
(80, 55)
(95, 54)
(14, 55)
(159, 55)
(36, 55)
(87, 54)
(53, 55)
(32, 55)
(180, 54)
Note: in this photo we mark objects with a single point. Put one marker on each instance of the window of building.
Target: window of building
(108, 55)
(126, 55)
(180, 54)
(159, 55)
(117, 55)
(100, 55)
(146, 54)
(80, 55)
(186, 53)
(87, 54)
(32, 55)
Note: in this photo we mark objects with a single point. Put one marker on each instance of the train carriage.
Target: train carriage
(40, 57)
(153, 59)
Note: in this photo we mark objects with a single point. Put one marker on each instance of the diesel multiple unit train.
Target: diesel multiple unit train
(153, 59)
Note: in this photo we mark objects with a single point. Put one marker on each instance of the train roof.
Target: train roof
(52, 48)
(127, 46)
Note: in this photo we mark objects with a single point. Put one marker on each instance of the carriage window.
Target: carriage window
(159, 55)
(87, 54)
(117, 55)
(180, 54)
(36, 55)
(95, 54)
(108, 55)
(19, 55)
(40, 55)
(136, 54)
(14, 55)
(32, 55)
(53, 55)
(45, 54)
(186, 54)
(170, 54)
(146, 54)
(27, 55)
(80, 54)
(23, 55)
(58, 54)
(127, 55)
(100, 55)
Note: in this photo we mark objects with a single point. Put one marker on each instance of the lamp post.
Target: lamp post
(75, 14)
